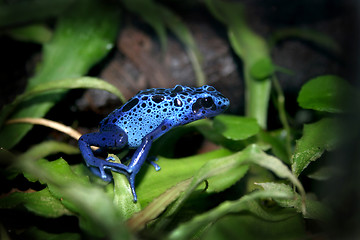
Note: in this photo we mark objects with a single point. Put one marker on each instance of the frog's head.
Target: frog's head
(208, 102)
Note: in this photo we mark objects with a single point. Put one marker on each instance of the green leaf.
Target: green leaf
(250, 155)
(50, 87)
(36, 33)
(40, 151)
(123, 197)
(235, 127)
(277, 141)
(188, 229)
(206, 128)
(79, 41)
(47, 148)
(96, 211)
(314, 209)
(325, 93)
(139, 220)
(247, 226)
(75, 83)
(225, 180)
(42, 203)
(262, 69)
(317, 137)
(324, 173)
(172, 172)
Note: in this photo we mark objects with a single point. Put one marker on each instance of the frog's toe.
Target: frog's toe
(157, 167)
(110, 158)
(152, 160)
(101, 173)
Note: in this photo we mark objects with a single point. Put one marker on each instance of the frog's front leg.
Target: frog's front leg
(142, 151)
(113, 138)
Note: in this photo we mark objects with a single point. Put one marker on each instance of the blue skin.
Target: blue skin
(144, 118)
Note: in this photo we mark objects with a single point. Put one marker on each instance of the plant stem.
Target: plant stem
(282, 114)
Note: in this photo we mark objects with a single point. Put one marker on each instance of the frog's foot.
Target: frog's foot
(152, 160)
(101, 169)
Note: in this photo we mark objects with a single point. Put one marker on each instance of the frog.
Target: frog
(140, 121)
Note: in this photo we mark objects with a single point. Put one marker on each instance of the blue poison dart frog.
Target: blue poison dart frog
(144, 118)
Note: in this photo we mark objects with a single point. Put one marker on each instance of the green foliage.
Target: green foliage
(42, 203)
(326, 93)
(246, 189)
(78, 43)
(262, 69)
(317, 137)
(236, 128)
(37, 33)
(54, 87)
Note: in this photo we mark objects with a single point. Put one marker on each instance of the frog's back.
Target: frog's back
(143, 113)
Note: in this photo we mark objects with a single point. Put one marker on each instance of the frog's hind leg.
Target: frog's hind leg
(113, 138)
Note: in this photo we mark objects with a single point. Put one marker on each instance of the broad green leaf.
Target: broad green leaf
(97, 214)
(317, 137)
(40, 151)
(251, 48)
(314, 209)
(247, 226)
(223, 181)
(235, 127)
(262, 69)
(250, 155)
(188, 229)
(59, 169)
(206, 128)
(78, 42)
(42, 203)
(172, 172)
(325, 93)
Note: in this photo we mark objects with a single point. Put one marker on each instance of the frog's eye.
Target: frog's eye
(203, 103)
(207, 102)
